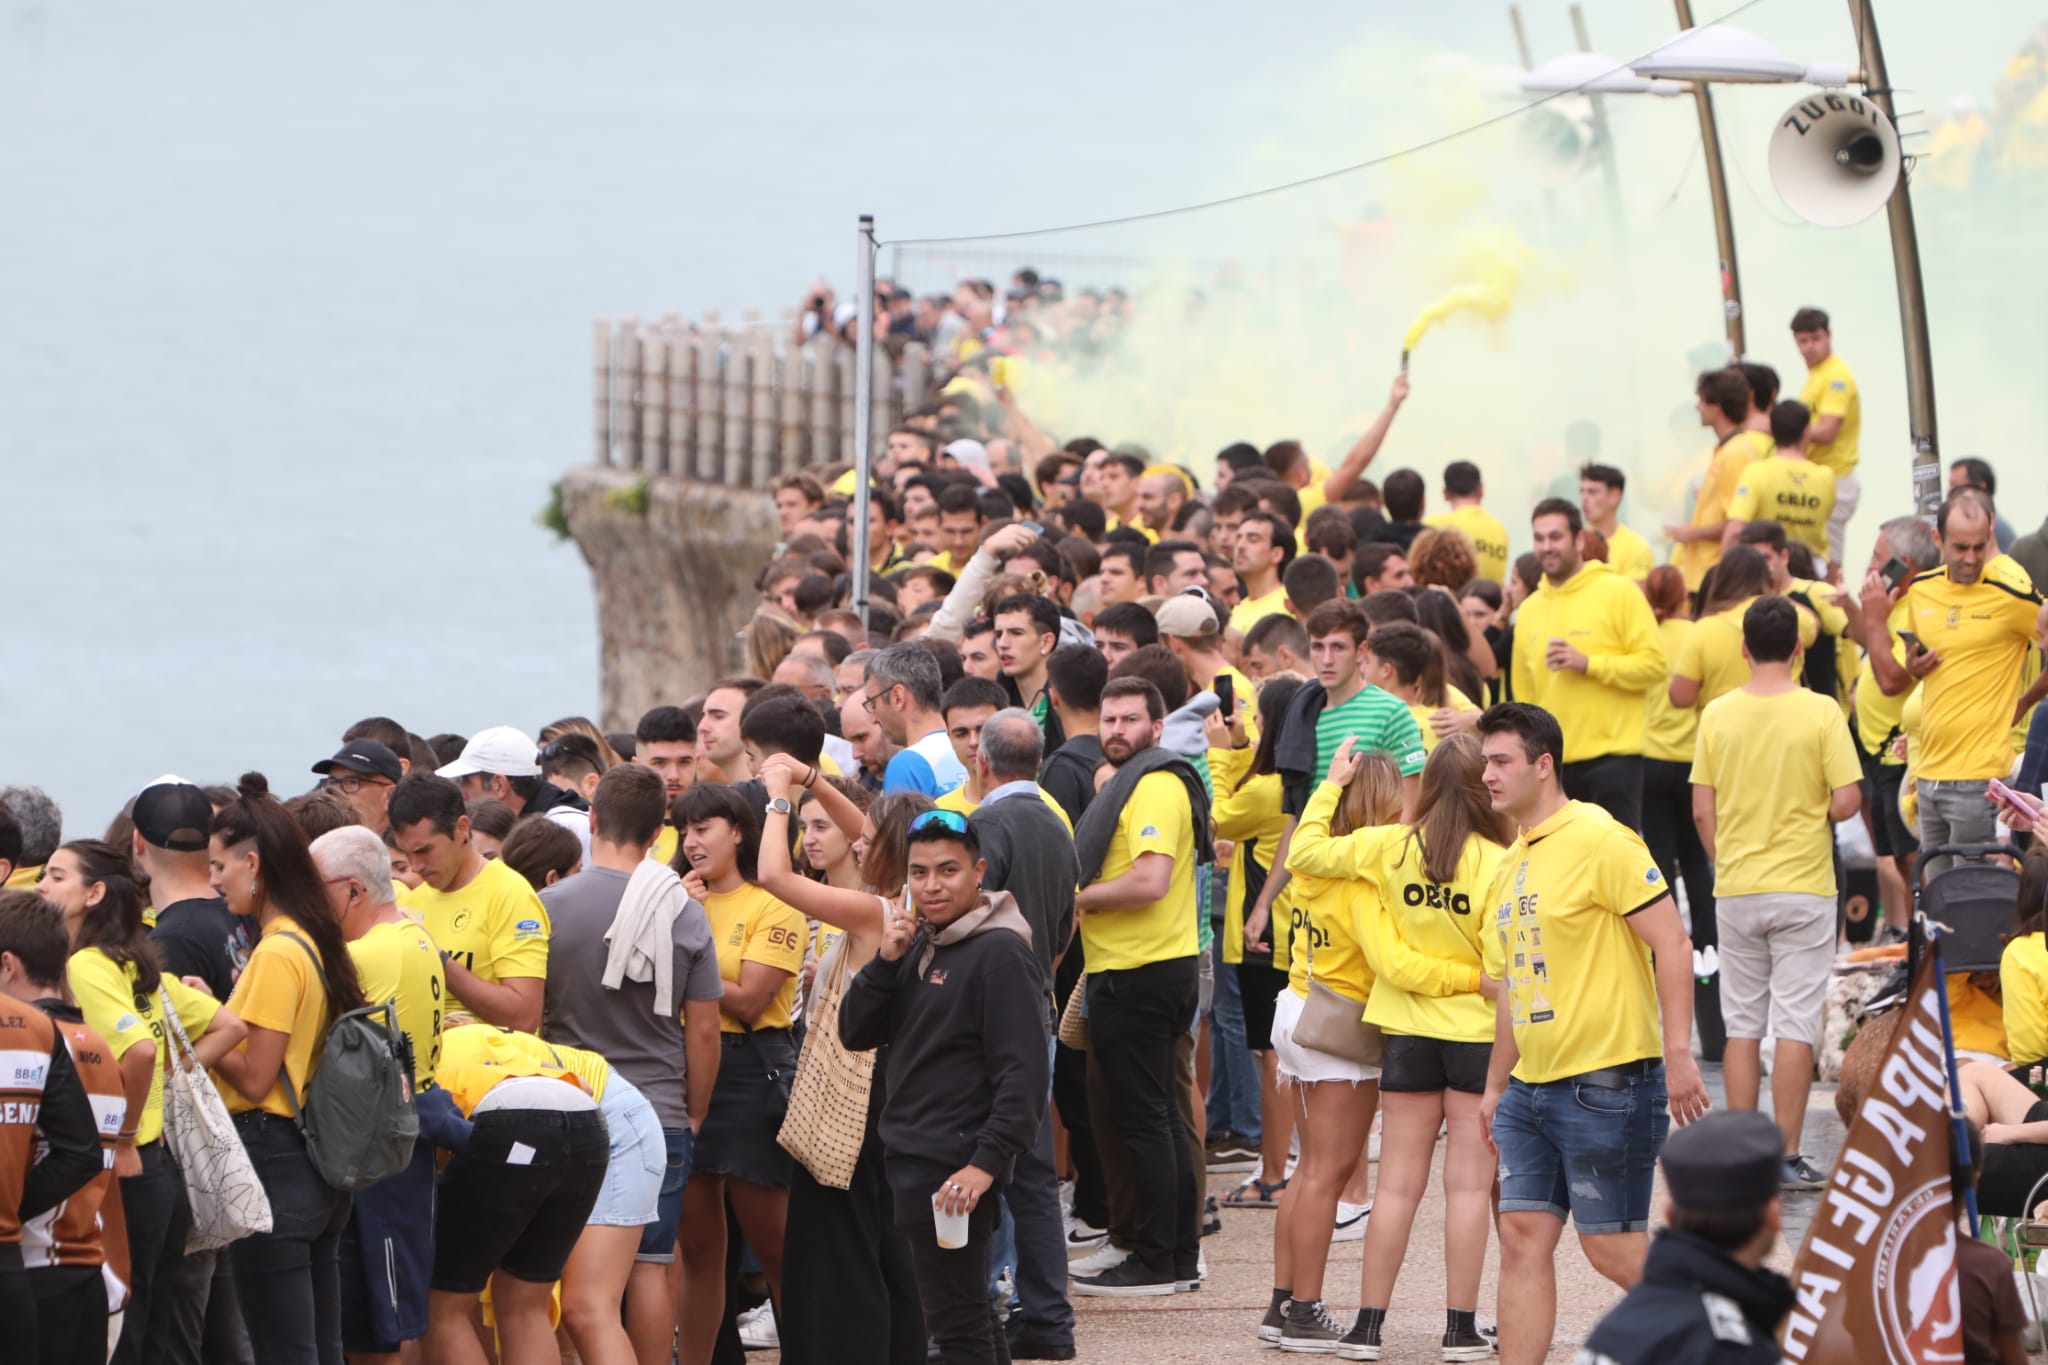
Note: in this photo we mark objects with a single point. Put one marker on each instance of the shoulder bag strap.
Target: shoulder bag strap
(291, 1094)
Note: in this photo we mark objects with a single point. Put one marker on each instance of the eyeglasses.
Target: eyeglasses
(940, 819)
(868, 699)
(348, 784)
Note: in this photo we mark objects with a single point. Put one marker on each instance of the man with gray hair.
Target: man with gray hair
(902, 692)
(810, 674)
(1029, 848)
(387, 1249)
(42, 829)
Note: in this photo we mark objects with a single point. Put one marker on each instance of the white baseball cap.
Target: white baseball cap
(502, 749)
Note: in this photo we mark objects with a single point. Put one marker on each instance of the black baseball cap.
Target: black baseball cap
(174, 816)
(363, 756)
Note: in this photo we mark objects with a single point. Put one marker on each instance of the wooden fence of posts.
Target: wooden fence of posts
(738, 405)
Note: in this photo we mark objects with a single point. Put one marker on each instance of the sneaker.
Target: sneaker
(1270, 1325)
(1212, 1217)
(1467, 1346)
(1801, 1174)
(1232, 1158)
(1081, 1238)
(1067, 1199)
(1362, 1342)
(757, 1329)
(1025, 1346)
(1350, 1222)
(1309, 1329)
(1190, 1284)
(1104, 1257)
(1128, 1280)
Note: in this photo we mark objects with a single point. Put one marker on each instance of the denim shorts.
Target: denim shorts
(1582, 1151)
(639, 1159)
(658, 1238)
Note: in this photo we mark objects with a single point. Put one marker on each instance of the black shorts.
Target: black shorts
(523, 1219)
(1889, 836)
(748, 1103)
(1260, 983)
(1417, 1065)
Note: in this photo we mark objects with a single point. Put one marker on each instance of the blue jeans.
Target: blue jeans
(1584, 1151)
(2034, 762)
(1233, 1076)
(658, 1238)
(1034, 1246)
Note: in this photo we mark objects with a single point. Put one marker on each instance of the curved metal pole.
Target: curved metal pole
(1912, 292)
(1717, 188)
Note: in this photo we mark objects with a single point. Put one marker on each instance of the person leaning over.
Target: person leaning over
(956, 995)
(1773, 770)
(1592, 1044)
(1705, 1297)
(1587, 651)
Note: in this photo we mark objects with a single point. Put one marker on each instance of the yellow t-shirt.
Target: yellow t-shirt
(496, 926)
(1984, 633)
(749, 925)
(2023, 988)
(959, 801)
(1778, 759)
(1489, 538)
(1797, 493)
(1453, 700)
(1669, 733)
(1977, 1020)
(1581, 992)
(475, 1057)
(1881, 719)
(1422, 939)
(25, 879)
(280, 990)
(664, 850)
(1253, 610)
(1155, 820)
(1717, 486)
(1830, 391)
(105, 991)
(1252, 819)
(399, 963)
(1711, 653)
(1326, 918)
(1629, 555)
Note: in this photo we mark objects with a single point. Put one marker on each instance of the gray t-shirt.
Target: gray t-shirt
(621, 1025)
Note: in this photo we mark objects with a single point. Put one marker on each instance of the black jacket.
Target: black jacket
(1031, 856)
(1069, 774)
(968, 1073)
(1694, 1306)
(1096, 830)
(551, 797)
(1294, 750)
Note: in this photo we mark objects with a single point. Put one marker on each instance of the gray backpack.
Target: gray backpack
(358, 1118)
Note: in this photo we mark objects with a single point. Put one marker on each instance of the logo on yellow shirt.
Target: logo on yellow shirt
(460, 922)
(526, 928)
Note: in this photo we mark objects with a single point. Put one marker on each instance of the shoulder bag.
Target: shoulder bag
(227, 1197)
(827, 1117)
(1333, 1023)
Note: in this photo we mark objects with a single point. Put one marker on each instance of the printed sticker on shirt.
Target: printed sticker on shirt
(1149, 832)
(126, 1022)
(24, 1067)
(1651, 876)
(526, 928)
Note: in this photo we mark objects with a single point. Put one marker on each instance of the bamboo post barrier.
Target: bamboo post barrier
(792, 441)
(734, 375)
(672, 412)
(822, 372)
(601, 369)
(762, 448)
(881, 402)
(628, 388)
(917, 376)
(842, 357)
(709, 427)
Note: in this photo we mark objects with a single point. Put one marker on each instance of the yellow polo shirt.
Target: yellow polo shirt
(1253, 610)
(1830, 391)
(1489, 538)
(282, 991)
(1155, 820)
(495, 927)
(1984, 633)
(1779, 759)
(749, 925)
(1629, 555)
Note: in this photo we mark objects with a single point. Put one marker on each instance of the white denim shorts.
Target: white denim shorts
(1297, 1063)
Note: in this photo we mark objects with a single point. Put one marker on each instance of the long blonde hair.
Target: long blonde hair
(770, 636)
(1371, 797)
(1453, 805)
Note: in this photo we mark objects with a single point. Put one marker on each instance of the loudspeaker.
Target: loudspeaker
(1834, 159)
(1559, 139)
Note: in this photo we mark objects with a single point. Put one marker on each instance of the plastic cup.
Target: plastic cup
(951, 1227)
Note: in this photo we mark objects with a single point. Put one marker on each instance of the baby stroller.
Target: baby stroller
(1973, 900)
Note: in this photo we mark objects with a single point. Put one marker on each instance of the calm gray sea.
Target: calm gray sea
(295, 302)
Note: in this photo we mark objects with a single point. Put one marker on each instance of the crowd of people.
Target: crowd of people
(1121, 828)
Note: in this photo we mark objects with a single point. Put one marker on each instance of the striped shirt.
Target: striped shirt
(1381, 723)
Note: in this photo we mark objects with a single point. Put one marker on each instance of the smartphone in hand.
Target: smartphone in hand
(1226, 693)
(1912, 640)
(1895, 572)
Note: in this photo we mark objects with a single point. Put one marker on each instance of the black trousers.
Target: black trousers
(17, 1311)
(70, 1318)
(1070, 1097)
(1674, 842)
(1136, 1019)
(1614, 783)
(849, 1288)
(289, 1278)
(195, 1316)
(953, 1285)
(158, 1216)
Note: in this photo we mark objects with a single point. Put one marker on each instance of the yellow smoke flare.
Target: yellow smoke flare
(1492, 261)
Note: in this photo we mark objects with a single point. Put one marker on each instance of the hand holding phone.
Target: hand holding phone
(1226, 693)
(1895, 572)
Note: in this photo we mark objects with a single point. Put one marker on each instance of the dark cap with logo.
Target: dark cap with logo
(1724, 1162)
(365, 756)
(173, 815)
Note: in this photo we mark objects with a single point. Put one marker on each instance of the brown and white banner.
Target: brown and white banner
(1876, 1279)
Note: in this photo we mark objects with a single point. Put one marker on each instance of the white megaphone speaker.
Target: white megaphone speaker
(1559, 139)
(1834, 159)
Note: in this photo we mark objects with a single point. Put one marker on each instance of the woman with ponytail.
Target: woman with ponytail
(300, 978)
(119, 984)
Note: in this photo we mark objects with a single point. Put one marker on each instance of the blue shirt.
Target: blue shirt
(929, 766)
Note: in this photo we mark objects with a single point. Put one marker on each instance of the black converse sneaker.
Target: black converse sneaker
(1275, 1319)
(1466, 1344)
(1362, 1342)
(1308, 1328)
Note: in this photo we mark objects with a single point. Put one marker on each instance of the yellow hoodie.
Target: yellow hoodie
(1606, 618)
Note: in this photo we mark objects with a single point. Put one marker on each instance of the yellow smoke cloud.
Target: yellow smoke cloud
(1493, 259)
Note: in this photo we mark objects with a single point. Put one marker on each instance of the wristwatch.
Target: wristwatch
(780, 806)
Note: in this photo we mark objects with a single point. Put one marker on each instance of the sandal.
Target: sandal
(1255, 1194)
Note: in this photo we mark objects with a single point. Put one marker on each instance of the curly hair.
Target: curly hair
(1443, 558)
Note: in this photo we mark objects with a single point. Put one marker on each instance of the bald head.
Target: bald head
(1159, 499)
(812, 674)
(1012, 746)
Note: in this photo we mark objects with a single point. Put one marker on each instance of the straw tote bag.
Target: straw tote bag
(227, 1198)
(1335, 1024)
(1073, 1026)
(828, 1101)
